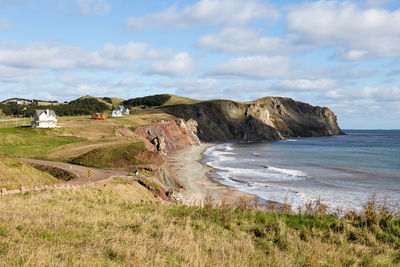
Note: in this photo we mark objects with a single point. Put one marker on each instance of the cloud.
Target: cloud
(195, 88)
(367, 92)
(241, 40)
(5, 24)
(93, 7)
(210, 88)
(378, 3)
(254, 67)
(307, 85)
(180, 64)
(207, 12)
(10, 74)
(395, 72)
(46, 56)
(356, 33)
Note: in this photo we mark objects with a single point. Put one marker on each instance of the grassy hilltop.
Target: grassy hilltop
(121, 222)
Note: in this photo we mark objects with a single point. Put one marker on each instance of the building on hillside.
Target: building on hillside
(99, 116)
(44, 119)
(120, 111)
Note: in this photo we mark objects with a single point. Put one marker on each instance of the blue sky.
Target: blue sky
(341, 54)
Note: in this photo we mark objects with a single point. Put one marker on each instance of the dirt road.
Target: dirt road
(80, 171)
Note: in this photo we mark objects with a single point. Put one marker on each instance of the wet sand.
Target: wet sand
(197, 181)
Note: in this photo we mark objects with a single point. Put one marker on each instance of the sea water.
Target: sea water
(343, 171)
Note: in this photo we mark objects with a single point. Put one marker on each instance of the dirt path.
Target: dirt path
(81, 172)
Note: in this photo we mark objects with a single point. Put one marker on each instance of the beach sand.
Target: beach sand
(197, 181)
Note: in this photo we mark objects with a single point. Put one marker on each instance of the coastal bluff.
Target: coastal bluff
(269, 118)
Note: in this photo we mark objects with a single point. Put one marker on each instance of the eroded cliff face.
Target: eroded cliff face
(162, 138)
(270, 118)
(165, 136)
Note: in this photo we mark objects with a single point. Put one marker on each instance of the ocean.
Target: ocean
(343, 171)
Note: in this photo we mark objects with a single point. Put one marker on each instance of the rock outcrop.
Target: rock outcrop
(166, 136)
(270, 118)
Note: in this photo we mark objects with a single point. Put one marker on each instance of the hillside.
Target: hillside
(23, 101)
(111, 102)
(14, 173)
(154, 101)
(120, 223)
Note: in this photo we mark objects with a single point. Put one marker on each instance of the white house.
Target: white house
(120, 111)
(44, 119)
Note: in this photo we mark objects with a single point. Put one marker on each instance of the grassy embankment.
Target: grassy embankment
(109, 224)
(112, 156)
(14, 173)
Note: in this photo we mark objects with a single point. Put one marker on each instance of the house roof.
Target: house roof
(49, 112)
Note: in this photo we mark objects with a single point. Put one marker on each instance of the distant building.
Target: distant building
(120, 111)
(19, 102)
(99, 116)
(44, 119)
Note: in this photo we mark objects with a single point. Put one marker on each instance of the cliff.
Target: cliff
(270, 118)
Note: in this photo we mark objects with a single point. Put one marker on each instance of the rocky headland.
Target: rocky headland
(266, 119)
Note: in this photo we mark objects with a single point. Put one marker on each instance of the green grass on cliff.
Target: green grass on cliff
(114, 156)
(118, 223)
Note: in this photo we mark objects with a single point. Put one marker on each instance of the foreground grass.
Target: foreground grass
(109, 225)
(30, 142)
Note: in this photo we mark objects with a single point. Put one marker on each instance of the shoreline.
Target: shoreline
(195, 177)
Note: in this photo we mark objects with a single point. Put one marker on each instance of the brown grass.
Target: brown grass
(117, 223)
(14, 173)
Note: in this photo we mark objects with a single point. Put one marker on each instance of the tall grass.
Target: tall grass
(119, 223)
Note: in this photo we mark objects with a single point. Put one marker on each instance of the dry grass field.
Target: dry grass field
(120, 223)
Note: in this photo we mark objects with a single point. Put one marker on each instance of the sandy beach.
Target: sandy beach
(197, 181)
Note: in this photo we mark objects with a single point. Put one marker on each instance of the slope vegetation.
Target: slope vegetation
(14, 173)
(117, 223)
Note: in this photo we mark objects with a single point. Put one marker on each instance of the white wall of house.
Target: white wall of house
(46, 119)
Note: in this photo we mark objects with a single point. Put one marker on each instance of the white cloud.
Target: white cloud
(378, 3)
(307, 85)
(5, 24)
(93, 7)
(368, 92)
(10, 74)
(241, 40)
(355, 32)
(46, 56)
(255, 67)
(207, 12)
(180, 64)
(195, 88)
(98, 90)
(215, 89)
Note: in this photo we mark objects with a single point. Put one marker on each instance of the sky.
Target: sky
(341, 54)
